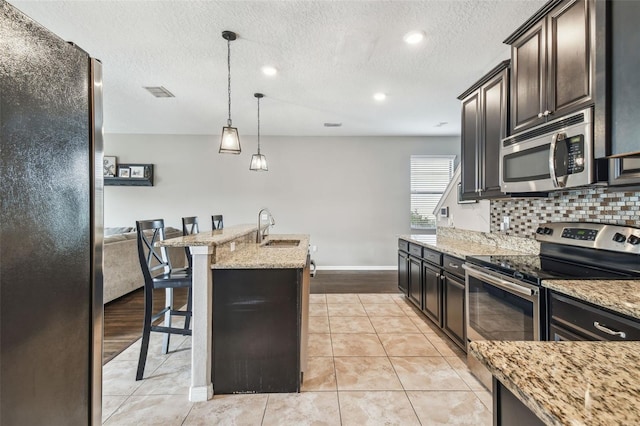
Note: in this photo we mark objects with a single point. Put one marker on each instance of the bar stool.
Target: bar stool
(158, 273)
(216, 222)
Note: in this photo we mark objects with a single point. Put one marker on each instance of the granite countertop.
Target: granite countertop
(259, 256)
(209, 238)
(457, 247)
(569, 383)
(622, 296)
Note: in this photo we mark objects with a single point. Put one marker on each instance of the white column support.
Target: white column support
(202, 320)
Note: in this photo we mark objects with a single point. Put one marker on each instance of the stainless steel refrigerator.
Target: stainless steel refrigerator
(50, 227)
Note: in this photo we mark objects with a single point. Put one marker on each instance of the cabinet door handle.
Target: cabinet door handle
(453, 265)
(607, 330)
(540, 115)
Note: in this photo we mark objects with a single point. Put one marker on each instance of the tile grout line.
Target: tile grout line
(333, 360)
(397, 376)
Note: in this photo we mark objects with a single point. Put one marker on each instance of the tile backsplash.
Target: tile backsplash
(584, 205)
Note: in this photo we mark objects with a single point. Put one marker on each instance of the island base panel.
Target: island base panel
(509, 410)
(256, 331)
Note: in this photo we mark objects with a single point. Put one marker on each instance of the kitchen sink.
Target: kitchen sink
(282, 243)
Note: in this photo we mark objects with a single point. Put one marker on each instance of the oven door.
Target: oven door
(499, 308)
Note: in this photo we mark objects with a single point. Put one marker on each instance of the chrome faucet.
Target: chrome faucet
(262, 234)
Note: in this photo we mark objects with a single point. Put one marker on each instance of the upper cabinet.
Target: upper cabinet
(617, 127)
(484, 125)
(552, 59)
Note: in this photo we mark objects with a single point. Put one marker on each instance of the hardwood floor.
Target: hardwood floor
(123, 317)
(355, 282)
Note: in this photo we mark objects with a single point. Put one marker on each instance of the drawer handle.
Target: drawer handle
(607, 330)
(453, 265)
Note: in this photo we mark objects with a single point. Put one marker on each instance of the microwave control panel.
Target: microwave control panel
(575, 151)
(580, 234)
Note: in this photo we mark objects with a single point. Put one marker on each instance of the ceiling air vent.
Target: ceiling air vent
(159, 92)
(332, 124)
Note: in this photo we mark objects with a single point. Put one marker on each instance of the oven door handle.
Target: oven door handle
(503, 284)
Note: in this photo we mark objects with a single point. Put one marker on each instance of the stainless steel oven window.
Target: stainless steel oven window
(500, 309)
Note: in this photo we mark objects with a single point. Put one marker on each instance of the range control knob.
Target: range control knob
(619, 238)
(548, 231)
(633, 240)
(540, 230)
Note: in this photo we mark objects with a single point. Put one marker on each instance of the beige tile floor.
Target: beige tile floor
(373, 360)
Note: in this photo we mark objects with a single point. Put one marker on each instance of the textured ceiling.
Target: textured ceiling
(332, 56)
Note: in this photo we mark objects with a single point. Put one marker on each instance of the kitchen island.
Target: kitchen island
(234, 250)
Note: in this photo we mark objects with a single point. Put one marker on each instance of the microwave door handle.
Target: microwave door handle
(552, 160)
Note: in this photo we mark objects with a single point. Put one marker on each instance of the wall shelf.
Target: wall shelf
(131, 175)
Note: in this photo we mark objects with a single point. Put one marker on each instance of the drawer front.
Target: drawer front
(432, 256)
(591, 321)
(453, 265)
(403, 245)
(415, 250)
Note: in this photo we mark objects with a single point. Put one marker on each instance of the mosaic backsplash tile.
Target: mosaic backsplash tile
(584, 205)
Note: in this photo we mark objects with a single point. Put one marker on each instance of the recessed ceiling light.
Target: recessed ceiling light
(269, 70)
(379, 96)
(414, 37)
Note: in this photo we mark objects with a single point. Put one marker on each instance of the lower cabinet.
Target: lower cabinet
(403, 272)
(576, 320)
(435, 284)
(453, 304)
(415, 281)
(432, 283)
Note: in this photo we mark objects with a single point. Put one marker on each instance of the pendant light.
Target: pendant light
(258, 161)
(230, 141)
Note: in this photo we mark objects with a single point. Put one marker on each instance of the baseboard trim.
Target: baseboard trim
(357, 268)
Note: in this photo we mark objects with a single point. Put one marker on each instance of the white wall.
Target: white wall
(471, 216)
(351, 194)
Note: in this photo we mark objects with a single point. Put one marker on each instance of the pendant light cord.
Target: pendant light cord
(258, 126)
(229, 79)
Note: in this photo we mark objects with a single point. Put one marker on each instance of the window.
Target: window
(430, 175)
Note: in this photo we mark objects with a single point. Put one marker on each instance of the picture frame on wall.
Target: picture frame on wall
(137, 171)
(109, 166)
(124, 172)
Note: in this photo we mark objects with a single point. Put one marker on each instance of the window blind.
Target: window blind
(430, 175)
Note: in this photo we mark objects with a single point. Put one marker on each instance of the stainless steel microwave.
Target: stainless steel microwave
(552, 156)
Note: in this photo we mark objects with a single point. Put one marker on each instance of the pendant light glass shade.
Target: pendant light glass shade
(258, 161)
(230, 141)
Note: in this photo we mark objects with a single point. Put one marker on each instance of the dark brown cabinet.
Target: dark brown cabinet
(618, 85)
(573, 319)
(624, 171)
(415, 281)
(432, 279)
(403, 266)
(453, 301)
(553, 64)
(436, 286)
(484, 125)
